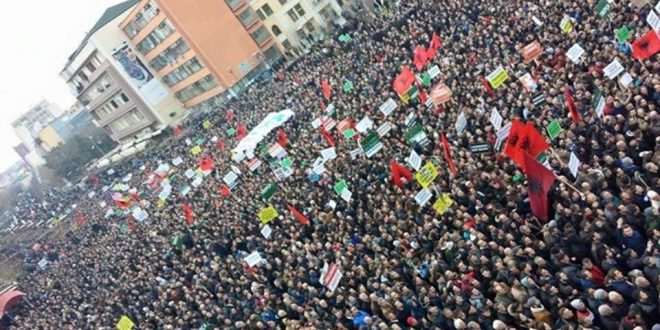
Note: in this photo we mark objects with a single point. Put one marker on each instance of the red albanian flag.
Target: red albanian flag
(570, 104)
(327, 91)
(187, 211)
(282, 138)
(447, 151)
(539, 182)
(646, 45)
(301, 218)
(398, 171)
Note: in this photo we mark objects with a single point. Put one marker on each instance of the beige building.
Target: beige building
(28, 125)
(204, 50)
(297, 24)
(113, 82)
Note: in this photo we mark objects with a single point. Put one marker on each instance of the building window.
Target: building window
(183, 72)
(115, 102)
(296, 12)
(282, 2)
(309, 27)
(247, 17)
(99, 87)
(233, 3)
(286, 44)
(197, 88)
(169, 55)
(141, 19)
(130, 118)
(267, 10)
(276, 30)
(273, 54)
(260, 35)
(162, 31)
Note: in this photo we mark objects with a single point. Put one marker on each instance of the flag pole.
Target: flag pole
(560, 178)
(557, 156)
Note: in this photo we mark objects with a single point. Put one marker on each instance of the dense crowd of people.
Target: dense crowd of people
(486, 263)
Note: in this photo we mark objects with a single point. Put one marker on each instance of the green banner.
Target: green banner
(622, 34)
(602, 8)
(413, 133)
(340, 186)
(268, 191)
(554, 128)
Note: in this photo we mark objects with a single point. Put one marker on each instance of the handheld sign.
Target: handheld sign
(426, 174)
(497, 77)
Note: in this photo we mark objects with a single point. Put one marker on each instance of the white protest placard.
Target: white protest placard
(320, 169)
(410, 119)
(573, 164)
(657, 7)
(537, 21)
(282, 173)
(423, 196)
(188, 141)
(346, 195)
(185, 190)
(111, 171)
(318, 161)
(266, 231)
(330, 109)
(434, 71)
(574, 53)
(503, 133)
(384, 129)
(625, 80)
(214, 139)
(177, 161)
(387, 107)
(235, 169)
(332, 204)
(109, 213)
(253, 258)
(189, 173)
(334, 280)
(328, 153)
(613, 69)
(496, 119)
(230, 179)
(198, 181)
(653, 20)
(461, 122)
(414, 160)
(165, 193)
(139, 214)
(355, 153)
(102, 204)
(316, 123)
(42, 263)
(91, 194)
(364, 125)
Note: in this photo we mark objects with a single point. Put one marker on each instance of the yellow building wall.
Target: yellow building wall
(50, 138)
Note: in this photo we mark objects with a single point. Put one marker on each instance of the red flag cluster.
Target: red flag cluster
(420, 57)
(575, 115)
(448, 158)
(433, 46)
(241, 131)
(282, 138)
(188, 212)
(327, 91)
(539, 182)
(206, 164)
(301, 218)
(524, 139)
(646, 45)
(328, 138)
(403, 81)
(398, 171)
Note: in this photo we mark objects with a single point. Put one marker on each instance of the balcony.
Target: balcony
(79, 90)
(235, 4)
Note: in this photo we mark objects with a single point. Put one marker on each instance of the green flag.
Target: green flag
(348, 85)
(231, 131)
(622, 34)
(345, 38)
(286, 162)
(426, 79)
(177, 242)
(340, 186)
(268, 191)
(349, 133)
(123, 228)
(554, 128)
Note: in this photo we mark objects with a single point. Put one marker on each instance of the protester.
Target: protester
(490, 261)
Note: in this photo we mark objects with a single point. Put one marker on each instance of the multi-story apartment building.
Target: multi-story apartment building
(28, 126)
(204, 50)
(115, 85)
(296, 24)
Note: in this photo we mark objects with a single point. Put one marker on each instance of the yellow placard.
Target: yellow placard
(267, 214)
(206, 124)
(498, 77)
(195, 150)
(443, 203)
(566, 25)
(426, 174)
(125, 323)
(161, 203)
